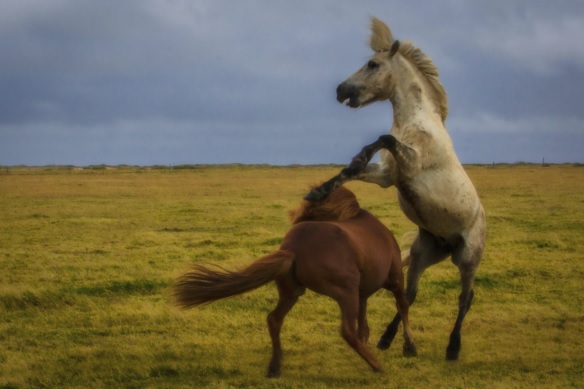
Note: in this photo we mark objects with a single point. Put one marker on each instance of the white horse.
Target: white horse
(418, 158)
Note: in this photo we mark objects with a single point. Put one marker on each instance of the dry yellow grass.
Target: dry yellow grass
(87, 259)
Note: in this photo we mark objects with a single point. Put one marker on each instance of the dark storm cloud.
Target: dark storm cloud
(147, 82)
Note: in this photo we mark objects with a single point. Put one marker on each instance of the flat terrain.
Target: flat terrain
(88, 257)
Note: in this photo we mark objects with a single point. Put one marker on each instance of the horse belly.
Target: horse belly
(445, 205)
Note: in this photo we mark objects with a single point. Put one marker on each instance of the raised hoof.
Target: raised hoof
(383, 344)
(410, 351)
(315, 195)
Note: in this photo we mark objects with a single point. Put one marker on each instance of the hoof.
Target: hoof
(410, 351)
(383, 344)
(451, 355)
(315, 195)
(453, 347)
(378, 370)
(273, 373)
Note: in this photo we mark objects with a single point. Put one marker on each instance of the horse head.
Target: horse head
(394, 71)
(373, 81)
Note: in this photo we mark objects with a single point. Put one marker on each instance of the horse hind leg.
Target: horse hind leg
(455, 342)
(395, 284)
(464, 303)
(467, 277)
(288, 293)
(390, 333)
(391, 330)
(467, 257)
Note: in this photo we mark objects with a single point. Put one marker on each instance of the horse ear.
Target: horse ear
(394, 49)
(381, 37)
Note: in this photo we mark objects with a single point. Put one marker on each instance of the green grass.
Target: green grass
(88, 257)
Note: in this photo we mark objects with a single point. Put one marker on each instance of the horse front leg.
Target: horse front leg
(349, 303)
(357, 165)
(359, 168)
(362, 324)
(360, 161)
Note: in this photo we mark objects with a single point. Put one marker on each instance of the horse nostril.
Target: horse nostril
(346, 91)
(340, 92)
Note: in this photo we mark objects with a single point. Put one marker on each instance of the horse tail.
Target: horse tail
(202, 285)
(405, 258)
(407, 239)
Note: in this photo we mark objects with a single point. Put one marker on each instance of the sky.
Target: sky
(168, 82)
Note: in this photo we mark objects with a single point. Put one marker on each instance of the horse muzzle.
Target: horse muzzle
(349, 92)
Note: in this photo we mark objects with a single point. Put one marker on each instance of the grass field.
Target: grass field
(87, 259)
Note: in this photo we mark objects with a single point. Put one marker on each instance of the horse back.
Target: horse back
(360, 250)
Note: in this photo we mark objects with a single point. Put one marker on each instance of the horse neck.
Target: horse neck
(410, 97)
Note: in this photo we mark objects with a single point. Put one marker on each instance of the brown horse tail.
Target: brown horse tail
(202, 285)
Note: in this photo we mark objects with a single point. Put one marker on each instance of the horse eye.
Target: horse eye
(372, 65)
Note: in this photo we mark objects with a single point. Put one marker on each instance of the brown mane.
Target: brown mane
(340, 205)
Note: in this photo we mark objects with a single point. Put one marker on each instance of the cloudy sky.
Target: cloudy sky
(190, 81)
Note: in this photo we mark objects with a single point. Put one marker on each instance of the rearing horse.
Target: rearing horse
(418, 158)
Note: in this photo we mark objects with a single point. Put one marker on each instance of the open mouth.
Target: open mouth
(349, 101)
(348, 94)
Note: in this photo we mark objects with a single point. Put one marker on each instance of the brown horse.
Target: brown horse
(336, 249)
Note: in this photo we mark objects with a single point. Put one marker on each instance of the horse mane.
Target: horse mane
(381, 40)
(425, 65)
(338, 206)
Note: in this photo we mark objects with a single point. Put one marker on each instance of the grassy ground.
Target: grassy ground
(87, 259)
